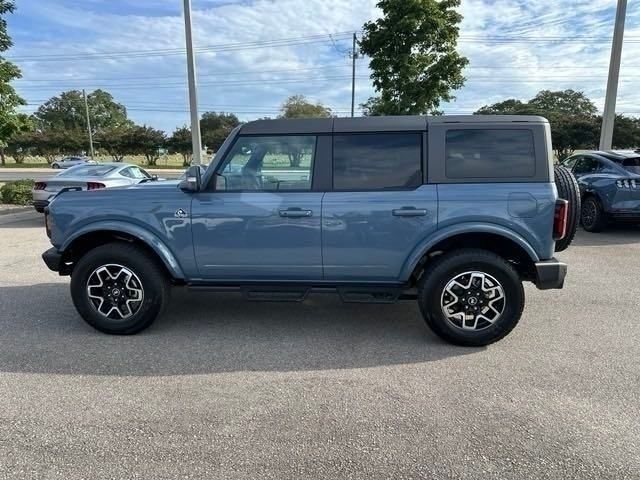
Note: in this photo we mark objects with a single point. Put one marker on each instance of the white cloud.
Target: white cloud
(254, 81)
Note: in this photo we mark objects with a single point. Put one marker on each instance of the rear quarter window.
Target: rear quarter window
(489, 153)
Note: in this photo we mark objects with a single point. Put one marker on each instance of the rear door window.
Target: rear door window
(377, 161)
(489, 153)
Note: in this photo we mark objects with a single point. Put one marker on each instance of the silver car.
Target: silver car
(88, 177)
(68, 162)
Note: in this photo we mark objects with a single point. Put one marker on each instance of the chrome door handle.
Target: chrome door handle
(295, 213)
(409, 212)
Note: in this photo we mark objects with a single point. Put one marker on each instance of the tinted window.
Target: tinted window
(481, 153)
(631, 164)
(586, 165)
(377, 161)
(269, 163)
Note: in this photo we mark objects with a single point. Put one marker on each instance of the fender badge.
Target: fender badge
(180, 213)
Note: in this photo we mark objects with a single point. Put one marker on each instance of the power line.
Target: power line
(181, 51)
(328, 66)
(290, 41)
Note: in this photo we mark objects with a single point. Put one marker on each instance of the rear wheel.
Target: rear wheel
(593, 218)
(568, 189)
(55, 166)
(119, 288)
(471, 297)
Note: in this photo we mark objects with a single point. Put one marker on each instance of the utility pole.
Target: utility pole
(196, 141)
(86, 109)
(609, 113)
(354, 56)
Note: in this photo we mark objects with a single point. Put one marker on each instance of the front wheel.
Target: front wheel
(471, 297)
(119, 288)
(55, 166)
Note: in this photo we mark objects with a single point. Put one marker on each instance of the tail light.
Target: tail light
(628, 183)
(94, 185)
(40, 186)
(560, 219)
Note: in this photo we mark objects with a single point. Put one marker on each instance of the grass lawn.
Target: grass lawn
(166, 161)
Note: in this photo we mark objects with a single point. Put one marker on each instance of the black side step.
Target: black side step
(275, 293)
(369, 294)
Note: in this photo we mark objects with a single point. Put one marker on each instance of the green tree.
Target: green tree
(65, 116)
(11, 122)
(297, 106)
(144, 140)
(567, 102)
(180, 142)
(51, 144)
(115, 141)
(626, 132)
(414, 63)
(507, 107)
(215, 127)
(67, 112)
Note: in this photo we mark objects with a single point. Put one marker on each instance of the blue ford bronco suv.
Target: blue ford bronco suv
(453, 211)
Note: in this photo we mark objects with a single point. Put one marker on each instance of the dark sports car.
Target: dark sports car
(609, 184)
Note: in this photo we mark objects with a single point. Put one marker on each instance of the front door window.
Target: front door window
(269, 163)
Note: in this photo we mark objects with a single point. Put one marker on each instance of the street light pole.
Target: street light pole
(354, 56)
(609, 113)
(86, 109)
(196, 141)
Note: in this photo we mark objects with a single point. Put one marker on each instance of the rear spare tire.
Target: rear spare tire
(568, 189)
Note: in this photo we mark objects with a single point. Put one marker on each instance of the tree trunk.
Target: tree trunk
(2, 156)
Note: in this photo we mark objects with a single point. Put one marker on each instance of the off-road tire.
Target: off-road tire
(152, 276)
(448, 266)
(568, 189)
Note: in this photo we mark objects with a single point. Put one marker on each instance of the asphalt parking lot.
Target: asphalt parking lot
(220, 388)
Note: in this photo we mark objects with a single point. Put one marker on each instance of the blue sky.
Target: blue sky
(134, 50)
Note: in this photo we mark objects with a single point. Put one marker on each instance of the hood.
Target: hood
(158, 184)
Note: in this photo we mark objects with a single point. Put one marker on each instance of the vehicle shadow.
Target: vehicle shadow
(615, 234)
(41, 332)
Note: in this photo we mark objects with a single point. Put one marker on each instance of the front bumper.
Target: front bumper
(53, 259)
(550, 274)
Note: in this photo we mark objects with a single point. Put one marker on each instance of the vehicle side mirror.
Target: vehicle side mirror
(154, 178)
(192, 180)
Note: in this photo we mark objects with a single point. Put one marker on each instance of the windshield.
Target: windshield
(631, 165)
(87, 171)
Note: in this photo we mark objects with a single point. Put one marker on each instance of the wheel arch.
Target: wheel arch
(493, 238)
(92, 236)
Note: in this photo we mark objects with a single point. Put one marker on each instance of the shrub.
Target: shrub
(17, 193)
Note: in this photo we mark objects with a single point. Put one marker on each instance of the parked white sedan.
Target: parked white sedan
(89, 177)
(68, 162)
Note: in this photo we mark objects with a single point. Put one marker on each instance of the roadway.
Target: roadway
(10, 174)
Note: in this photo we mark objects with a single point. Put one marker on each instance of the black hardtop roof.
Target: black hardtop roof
(373, 124)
